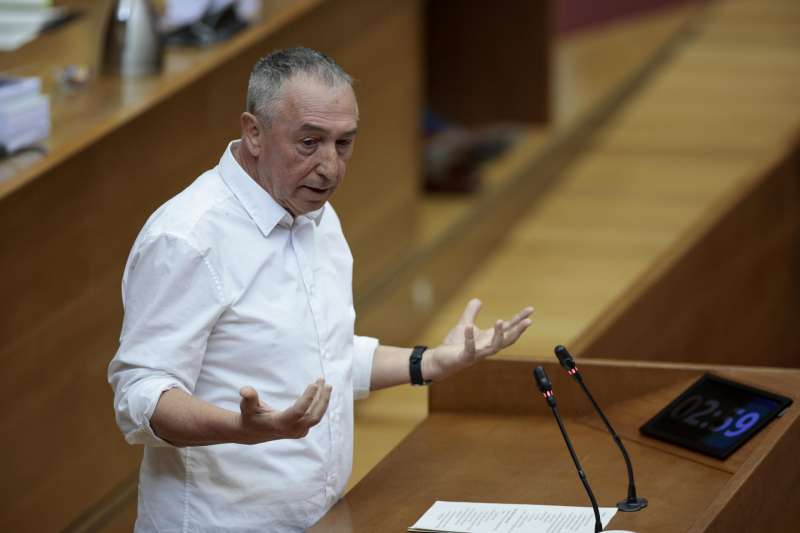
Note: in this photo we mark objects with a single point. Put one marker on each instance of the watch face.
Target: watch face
(715, 416)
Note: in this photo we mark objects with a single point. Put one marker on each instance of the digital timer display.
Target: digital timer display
(715, 416)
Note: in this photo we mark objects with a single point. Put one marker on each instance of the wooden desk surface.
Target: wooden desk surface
(490, 438)
(523, 459)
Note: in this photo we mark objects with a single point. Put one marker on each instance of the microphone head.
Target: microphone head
(542, 381)
(564, 357)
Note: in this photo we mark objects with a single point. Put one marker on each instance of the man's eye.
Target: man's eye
(308, 142)
(344, 142)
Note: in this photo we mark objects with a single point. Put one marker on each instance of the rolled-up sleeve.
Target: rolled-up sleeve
(172, 298)
(362, 365)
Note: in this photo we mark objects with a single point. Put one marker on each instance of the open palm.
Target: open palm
(466, 344)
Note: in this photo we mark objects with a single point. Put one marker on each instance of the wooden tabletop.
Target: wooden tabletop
(522, 459)
(505, 447)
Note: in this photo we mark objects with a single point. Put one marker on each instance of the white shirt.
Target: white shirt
(222, 289)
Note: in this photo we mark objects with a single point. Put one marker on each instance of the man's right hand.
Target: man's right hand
(261, 423)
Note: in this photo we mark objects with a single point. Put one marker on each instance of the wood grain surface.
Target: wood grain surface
(649, 245)
(502, 70)
(490, 438)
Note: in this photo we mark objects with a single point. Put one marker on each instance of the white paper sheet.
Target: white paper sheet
(21, 23)
(466, 517)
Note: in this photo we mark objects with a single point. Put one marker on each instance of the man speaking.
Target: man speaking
(238, 364)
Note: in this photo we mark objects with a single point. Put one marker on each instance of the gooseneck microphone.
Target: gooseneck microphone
(543, 382)
(631, 503)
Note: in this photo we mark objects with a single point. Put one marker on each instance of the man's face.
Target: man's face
(305, 148)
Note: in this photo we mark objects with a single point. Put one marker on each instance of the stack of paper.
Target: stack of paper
(24, 113)
(468, 517)
(22, 20)
(180, 13)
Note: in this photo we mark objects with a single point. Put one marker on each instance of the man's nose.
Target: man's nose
(328, 161)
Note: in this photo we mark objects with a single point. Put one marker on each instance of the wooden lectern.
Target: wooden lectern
(490, 437)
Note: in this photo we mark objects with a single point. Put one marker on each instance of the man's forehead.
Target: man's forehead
(312, 127)
(312, 103)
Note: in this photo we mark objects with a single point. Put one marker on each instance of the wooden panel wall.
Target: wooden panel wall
(731, 296)
(377, 201)
(489, 63)
(756, 493)
(66, 236)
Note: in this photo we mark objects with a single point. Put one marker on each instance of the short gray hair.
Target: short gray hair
(272, 70)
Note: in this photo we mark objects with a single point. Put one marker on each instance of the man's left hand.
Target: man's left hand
(466, 344)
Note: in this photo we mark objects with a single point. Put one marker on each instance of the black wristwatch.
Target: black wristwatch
(415, 366)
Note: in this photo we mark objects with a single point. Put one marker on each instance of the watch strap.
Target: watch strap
(415, 366)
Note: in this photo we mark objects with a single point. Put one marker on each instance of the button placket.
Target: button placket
(306, 275)
(303, 243)
(300, 231)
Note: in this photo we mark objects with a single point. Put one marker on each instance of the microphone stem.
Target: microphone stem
(617, 439)
(598, 524)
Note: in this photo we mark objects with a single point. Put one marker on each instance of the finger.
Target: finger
(319, 407)
(470, 312)
(514, 333)
(317, 398)
(497, 337)
(302, 404)
(250, 402)
(495, 344)
(469, 342)
(519, 317)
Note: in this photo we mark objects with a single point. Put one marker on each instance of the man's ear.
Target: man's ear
(251, 133)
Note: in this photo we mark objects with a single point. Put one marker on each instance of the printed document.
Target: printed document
(466, 517)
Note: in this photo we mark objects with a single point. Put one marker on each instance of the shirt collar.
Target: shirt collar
(259, 204)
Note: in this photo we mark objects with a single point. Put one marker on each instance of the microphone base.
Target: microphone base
(631, 506)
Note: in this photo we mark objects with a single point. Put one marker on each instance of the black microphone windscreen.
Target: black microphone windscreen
(564, 357)
(542, 381)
